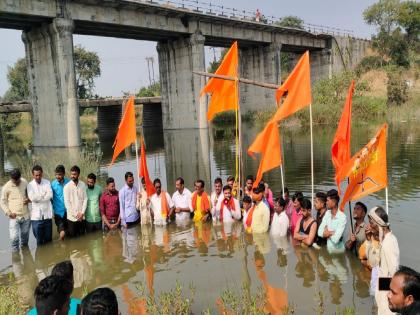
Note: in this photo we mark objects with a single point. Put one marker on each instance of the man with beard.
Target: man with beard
(110, 206)
(128, 199)
(75, 200)
(93, 214)
(260, 215)
(215, 196)
(60, 211)
(161, 204)
(359, 236)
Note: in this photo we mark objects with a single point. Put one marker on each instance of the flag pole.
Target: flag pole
(137, 162)
(351, 217)
(312, 155)
(386, 199)
(281, 166)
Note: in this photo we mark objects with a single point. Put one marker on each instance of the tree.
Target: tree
(291, 21)
(398, 25)
(88, 67)
(150, 91)
(216, 62)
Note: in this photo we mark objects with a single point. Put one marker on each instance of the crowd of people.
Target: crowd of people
(78, 208)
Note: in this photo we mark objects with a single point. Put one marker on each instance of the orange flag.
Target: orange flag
(367, 170)
(269, 147)
(340, 149)
(298, 88)
(126, 134)
(224, 93)
(143, 172)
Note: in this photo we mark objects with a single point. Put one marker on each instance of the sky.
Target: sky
(123, 62)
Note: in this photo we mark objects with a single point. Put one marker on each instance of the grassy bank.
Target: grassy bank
(11, 301)
(373, 100)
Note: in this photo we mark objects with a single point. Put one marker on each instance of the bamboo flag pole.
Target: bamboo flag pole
(386, 199)
(242, 80)
(312, 155)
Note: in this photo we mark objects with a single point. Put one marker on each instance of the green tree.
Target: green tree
(150, 91)
(88, 67)
(408, 17)
(291, 21)
(216, 62)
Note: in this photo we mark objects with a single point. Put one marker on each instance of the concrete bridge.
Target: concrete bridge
(181, 34)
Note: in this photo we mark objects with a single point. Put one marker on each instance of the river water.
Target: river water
(211, 258)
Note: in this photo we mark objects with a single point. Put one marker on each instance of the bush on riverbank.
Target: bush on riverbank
(11, 301)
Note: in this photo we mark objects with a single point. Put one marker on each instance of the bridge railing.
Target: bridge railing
(209, 8)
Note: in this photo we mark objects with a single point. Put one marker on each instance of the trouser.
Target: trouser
(76, 228)
(19, 230)
(93, 226)
(61, 222)
(42, 230)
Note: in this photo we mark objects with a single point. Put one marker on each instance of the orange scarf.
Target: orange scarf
(248, 221)
(230, 206)
(205, 204)
(164, 208)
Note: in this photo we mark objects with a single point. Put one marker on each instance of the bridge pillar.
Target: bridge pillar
(181, 103)
(52, 84)
(261, 63)
(321, 64)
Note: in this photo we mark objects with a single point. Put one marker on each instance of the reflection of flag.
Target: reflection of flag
(298, 88)
(126, 134)
(268, 144)
(367, 170)
(224, 93)
(340, 149)
(143, 172)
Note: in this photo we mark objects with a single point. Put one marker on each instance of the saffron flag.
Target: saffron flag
(144, 173)
(224, 93)
(126, 134)
(298, 88)
(367, 169)
(340, 148)
(269, 147)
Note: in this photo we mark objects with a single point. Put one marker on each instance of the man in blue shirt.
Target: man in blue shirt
(60, 213)
(64, 270)
(128, 197)
(333, 224)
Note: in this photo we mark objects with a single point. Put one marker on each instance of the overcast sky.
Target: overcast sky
(123, 63)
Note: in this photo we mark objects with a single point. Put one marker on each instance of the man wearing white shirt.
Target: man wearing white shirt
(75, 200)
(215, 196)
(161, 204)
(182, 202)
(228, 209)
(40, 195)
(280, 223)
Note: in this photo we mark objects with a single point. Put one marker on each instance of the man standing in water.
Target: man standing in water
(93, 214)
(216, 195)
(110, 206)
(40, 194)
(261, 213)
(75, 200)
(200, 202)
(60, 212)
(14, 202)
(182, 202)
(161, 204)
(321, 209)
(248, 185)
(128, 198)
(359, 236)
(333, 224)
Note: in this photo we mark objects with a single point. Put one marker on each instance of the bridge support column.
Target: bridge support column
(260, 63)
(181, 103)
(52, 84)
(321, 64)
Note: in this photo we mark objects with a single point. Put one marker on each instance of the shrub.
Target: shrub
(396, 87)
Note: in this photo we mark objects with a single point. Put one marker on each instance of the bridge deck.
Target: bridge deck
(25, 106)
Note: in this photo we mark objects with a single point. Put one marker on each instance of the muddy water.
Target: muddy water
(213, 258)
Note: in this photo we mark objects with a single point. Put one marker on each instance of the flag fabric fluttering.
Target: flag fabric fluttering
(126, 134)
(298, 88)
(224, 93)
(367, 169)
(269, 147)
(144, 173)
(340, 148)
